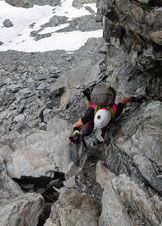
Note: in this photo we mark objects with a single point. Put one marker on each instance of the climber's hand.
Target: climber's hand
(86, 93)
(75, 137)
(138, 99)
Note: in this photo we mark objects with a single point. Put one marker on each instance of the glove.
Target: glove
(75, 137)
(86, 93)
(138, 99)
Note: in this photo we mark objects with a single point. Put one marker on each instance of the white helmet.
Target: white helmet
(102, 118)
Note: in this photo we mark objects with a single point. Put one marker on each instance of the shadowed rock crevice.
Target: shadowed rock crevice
(43, 185)
(47, 187)
(120, 163)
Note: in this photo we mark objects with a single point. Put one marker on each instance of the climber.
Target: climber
(98, 114)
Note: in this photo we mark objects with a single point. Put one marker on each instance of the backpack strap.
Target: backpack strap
(111, 109)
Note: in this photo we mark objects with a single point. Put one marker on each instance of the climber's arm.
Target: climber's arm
(124, 100)
(121, 105)
(87, 117)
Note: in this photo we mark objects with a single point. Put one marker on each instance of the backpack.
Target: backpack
(103, 94)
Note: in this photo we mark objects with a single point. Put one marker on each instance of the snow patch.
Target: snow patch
(27, 20)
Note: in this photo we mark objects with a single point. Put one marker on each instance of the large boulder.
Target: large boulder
(74, 209)
(142, 132)
(36, 153)
(136, 144)
(39, 152)
(133, 30)
(22, 210)
(126, 203)
(16, 207)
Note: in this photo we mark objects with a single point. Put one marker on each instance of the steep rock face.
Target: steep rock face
(133, 57)
(133, 61)
(126, 203)
(135, 28)
(132, 32)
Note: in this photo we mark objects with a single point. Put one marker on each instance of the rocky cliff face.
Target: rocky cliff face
(132, 31)
(40, 99)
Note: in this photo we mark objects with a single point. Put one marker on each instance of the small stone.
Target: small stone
(70, 183)
(19, 118)
(103, 174)
(157, 37)
(42, 126)
(7, 23)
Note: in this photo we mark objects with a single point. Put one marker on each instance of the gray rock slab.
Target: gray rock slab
(74, 209)
(39, 152)
(9, 189)
(137, 199)
(57, 125)
(22, 210)
(17, 208)
(103, 174)
(149, 171)
(113, 211)
(122, 195)
(147, 133)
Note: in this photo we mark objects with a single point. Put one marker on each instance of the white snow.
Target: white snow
(27, 20)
